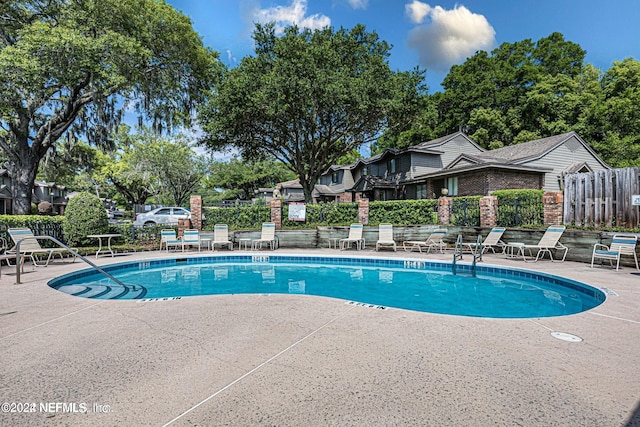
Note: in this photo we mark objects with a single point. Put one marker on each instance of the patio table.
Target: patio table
(100, 246)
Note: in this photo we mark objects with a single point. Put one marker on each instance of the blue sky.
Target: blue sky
(432, 35)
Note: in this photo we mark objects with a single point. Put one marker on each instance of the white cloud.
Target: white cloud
(417, 11)
(358, 4)
(450, 37)
(294, 14)
(230, 57)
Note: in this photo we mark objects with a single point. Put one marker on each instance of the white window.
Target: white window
(452, 186)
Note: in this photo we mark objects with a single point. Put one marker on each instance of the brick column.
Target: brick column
(183, 224)
(553, 203)
(488, 211)
(196, 211)
(276, 212)
(444, 210)
(363, 211)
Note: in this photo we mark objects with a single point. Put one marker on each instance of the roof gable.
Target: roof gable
(464, 160)
(461, 136)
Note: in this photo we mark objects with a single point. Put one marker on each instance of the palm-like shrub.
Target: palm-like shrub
(85, 214)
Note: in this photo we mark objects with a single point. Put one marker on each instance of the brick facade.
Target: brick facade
(486, 181)
(345, 197)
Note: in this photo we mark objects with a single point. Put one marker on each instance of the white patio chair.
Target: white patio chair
(435, 240)
(30, 247)
(268, 235)
(168, 239)
(221, 236)
(355, 236)
(191, 238)
(385, 237)
(620, 245)
(548, 242)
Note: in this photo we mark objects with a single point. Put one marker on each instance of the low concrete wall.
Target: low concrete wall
(580, 242)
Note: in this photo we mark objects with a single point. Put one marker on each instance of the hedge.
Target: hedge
(404, 212)
(465, 211)
(238, 217)
(520, 208)
(323, 214)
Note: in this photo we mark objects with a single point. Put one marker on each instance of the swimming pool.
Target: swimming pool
(412, 284)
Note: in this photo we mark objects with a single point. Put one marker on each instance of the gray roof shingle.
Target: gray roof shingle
(526, 150)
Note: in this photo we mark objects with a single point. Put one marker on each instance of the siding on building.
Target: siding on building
(558, 159)
(423, 163)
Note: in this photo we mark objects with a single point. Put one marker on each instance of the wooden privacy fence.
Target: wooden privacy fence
(602, 198)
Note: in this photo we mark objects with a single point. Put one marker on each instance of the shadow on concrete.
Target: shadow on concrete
(634, 420)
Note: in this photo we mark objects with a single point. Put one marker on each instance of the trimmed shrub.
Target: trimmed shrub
(45, 208)
(85, 214)
(237, 217)
(404, 212)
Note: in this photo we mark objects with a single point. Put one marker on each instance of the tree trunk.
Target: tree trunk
(307, 188)
(22, 168)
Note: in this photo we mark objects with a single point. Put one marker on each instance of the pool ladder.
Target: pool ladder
(457, 254)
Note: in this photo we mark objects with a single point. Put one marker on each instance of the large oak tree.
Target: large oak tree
(76, 65)
(308, 97)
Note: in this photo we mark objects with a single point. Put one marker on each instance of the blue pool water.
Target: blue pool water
(408, 284)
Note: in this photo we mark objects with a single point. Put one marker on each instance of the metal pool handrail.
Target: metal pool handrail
(457, 253)
(59, 243)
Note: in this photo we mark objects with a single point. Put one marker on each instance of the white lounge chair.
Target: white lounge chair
(191, 238)
(168, 238)
(30, 247)
(549, 241)
(385, 237)
(221, 236)
(355, 236)
(268, 235)
(492, 240)
(620, 245)
(435, 240)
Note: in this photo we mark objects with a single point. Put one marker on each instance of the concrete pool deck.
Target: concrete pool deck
(295, 360)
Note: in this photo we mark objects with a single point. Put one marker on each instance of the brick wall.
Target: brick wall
(346, 197)
(473, 184)
(502, 180)
(481, 183)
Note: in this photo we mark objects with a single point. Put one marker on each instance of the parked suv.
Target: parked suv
(165, 216)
